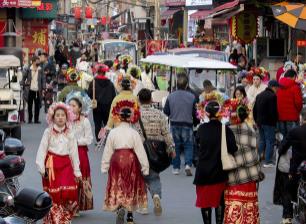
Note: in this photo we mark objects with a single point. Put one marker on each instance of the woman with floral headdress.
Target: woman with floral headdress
(241, 196)
(210, 178)
(80, 104)
(125, 161)
(135, 72)
(58, 163)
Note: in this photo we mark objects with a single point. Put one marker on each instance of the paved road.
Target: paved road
(178, 197)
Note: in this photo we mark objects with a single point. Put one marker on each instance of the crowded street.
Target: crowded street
(178, 191)
(152, 111)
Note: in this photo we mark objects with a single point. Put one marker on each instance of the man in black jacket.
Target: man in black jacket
(265, 116)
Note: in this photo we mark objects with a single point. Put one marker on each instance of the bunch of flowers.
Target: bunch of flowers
(72, 75)
(230, 109)
(213, 96)
(60, 105)
(126, 104)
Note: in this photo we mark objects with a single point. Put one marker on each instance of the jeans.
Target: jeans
(266, 142)
(153, 183)
(182, 136)
(285, 126)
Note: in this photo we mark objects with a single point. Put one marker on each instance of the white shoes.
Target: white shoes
(176, 171)
(157, 205)
(286, 221)
(188, 171)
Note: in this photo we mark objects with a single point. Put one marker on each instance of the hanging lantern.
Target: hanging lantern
(88, 12)
(103, 20)
(77, 12)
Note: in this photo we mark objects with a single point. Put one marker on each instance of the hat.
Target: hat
(100, 68)
(59, 105)
(273, 83)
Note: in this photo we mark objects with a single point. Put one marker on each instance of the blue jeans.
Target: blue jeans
(266, 142)
(183, 137)
(285, 126)
(153, 183)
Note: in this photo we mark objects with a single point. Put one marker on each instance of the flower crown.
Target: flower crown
(136, 69)
(126, 104)
(125, 58)
(257, 71)
(231, 107)
(83, 98)
(72, 75)
(120, 77)
(213, 96)
(59, 105)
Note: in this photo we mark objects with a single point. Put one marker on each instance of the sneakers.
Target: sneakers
(286, 221)
(188, 171)
(176, 171)
(157, 205)
(268, 165)
(120, 216)
(142, 211)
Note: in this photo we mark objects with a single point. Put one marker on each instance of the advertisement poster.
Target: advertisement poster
(153, 46)
(35, 33)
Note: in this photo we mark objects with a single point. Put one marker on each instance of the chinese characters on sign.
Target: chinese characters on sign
(35, 35)
(19, 3)
(45, 7)
(301, 43)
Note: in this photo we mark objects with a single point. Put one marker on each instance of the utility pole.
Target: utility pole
(157, 20)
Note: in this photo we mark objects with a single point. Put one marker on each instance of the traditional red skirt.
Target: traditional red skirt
(125, 186)
(62, 187)
(85, 186)
(209, 196)
(241, 204)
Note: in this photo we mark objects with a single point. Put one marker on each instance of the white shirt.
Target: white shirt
(82, 131)
(139, 86)
(146, 81)
(120, 137)
(61, 143)
(34, 80)
(253, 91)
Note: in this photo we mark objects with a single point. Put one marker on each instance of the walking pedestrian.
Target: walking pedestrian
(61, 77)
(125, 161)
(48, 93)
(210, 178)
(135, 72)
(241, 195)
(35, 80)
(156, 128)
(103, 90)
(80, 104)
(180, 107)
(266, 116)
(58, 163)
(60, 56)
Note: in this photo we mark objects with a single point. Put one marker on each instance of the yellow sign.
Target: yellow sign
(36, 3)
(40, 37)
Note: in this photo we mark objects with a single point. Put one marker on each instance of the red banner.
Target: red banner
(35, 35)
(19, 3)
(153, 46)
(301, 43)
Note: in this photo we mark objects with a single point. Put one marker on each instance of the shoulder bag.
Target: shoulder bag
(94, 103)
(228, 161)
(158, 157)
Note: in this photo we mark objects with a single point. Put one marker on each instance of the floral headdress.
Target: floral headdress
(59, 105)
(213, 96)
(72, 75)
(258, 71)
(120, 77)
(100, 68)
(134, 69)
(83, 98)
(120, 105)
(231, 107)
(125, 59)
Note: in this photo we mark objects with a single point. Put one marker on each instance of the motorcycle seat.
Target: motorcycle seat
(12, 166)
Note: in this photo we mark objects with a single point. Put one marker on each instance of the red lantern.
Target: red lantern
(77, 12)
(88, 12)
(103, 20)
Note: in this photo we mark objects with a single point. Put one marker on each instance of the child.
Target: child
(58, 163)
(125, 160)
(80, 104)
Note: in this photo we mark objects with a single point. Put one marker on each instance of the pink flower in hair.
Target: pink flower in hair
(69, 113)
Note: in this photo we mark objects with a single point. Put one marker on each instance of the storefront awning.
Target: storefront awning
(227, 10)
(169, 13)
(19, 3)
(201, 14)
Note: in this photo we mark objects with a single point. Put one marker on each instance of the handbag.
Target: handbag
(156, 150)
(228, 161)
(94, 103)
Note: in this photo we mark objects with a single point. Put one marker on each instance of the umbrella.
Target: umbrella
(293, 14)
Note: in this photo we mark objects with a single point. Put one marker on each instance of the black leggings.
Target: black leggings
(100, 116)
(219, 212)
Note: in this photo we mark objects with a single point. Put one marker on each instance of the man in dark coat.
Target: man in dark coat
(34, 81)
(265, 116)
(104, 94)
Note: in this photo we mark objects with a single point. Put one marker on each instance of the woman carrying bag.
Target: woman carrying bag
(211, 178)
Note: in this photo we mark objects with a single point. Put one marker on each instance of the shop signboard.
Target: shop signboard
(19, 3)
(175, 2)
(301, 43)
(35, 35)
(193, 3)
(47, 10)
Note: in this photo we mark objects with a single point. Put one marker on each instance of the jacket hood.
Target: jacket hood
(103, 82)
(286, 83)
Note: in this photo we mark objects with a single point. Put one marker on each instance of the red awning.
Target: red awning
(169, 13)
(201, 14)
(226, 6)
(19, 3)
